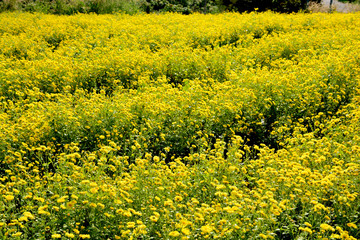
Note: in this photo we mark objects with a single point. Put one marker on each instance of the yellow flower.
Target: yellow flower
(41, 210)
(56, 235)
(40, 199)
(263, 236)
(69, 235)
(174, 234)
(29, 215)
(130, 225)
(306, 229)
(84, 236)
(178, 199)
(94, 190)
(168, 203)
(327, 227)
(74, 196)
(185, 231)
(308, 224)
(71, 203)
(207, 229)
(62, 199)
(352, 225)
(23, 218)
(154, 219)
(101, 205)
(9, 197)
(17, 234)
(336, 236)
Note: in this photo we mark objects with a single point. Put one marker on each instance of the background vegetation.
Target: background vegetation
(134, 6)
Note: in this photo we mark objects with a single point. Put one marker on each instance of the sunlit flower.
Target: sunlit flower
(326, 227)
(84, 236)
(17, 234)
(9, 197)
(174, 234)
(206, 229)
(352, 225)
(185, 231)
(69, 235)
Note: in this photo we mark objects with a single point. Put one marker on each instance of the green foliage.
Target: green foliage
(69, 7)
(181, 6)
(264, 5)
(189, 6)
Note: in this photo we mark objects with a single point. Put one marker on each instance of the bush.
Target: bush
(189, 6)
(69, 7)
(181, 6)
(285, 6)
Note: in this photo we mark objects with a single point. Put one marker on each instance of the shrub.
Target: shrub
(69, 7)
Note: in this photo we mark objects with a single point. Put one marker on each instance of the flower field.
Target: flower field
(165, 126)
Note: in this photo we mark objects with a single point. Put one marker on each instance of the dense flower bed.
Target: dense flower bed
(167, 126)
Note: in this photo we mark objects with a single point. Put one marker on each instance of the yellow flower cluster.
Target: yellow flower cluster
(228, 126)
